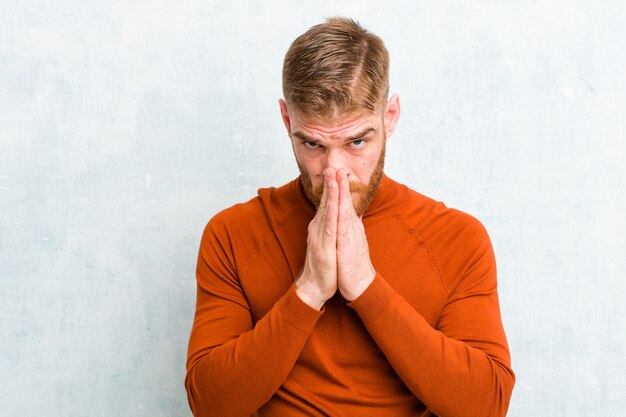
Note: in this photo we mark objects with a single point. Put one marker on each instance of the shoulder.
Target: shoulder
(248, 223)
(236, 221)
(456, 240)
(436, 222)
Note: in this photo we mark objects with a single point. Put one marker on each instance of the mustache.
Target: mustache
(355, 187)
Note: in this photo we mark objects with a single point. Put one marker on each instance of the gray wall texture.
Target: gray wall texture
(125, 125)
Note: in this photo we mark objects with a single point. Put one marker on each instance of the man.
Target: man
(343, 292)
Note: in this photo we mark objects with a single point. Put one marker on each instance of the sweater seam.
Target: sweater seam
(435, 262)
(293, 325)
(263, 242)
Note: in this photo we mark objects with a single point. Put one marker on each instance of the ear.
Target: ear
(284, 113)
(392, 114)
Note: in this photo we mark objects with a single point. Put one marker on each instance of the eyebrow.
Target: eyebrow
(307, 138)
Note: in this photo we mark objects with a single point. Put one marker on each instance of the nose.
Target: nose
(335, 158)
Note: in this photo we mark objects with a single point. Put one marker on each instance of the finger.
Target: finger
(324, 199)
(333, 209)
(342, 219)
(346, 208)
(323, 207)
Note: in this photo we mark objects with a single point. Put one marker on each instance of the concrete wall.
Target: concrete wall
(125, 125)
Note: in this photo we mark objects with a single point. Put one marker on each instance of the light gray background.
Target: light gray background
(125, 125)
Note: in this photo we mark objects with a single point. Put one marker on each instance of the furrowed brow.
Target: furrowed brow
(361, 134)
(304, 137)
(307, 138)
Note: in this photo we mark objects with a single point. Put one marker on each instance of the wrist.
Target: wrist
(358, 287)
(310, 293)
(310, 298)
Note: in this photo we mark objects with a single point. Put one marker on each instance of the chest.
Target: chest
(401, 258)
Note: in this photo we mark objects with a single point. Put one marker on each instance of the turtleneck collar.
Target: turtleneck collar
(384, 199)
(289, 213)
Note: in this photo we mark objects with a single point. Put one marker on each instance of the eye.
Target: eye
(310, 145)
(359, 143)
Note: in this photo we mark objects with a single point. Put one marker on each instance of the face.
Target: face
(362, 156)
(355, 143)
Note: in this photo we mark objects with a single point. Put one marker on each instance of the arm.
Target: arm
(233, 367)
(461, 368)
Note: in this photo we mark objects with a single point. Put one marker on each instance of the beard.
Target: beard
(362, 194)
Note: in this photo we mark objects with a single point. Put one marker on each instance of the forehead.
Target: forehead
(335, 126)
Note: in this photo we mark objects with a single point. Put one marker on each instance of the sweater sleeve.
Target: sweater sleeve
(462, 366)
(233, 366)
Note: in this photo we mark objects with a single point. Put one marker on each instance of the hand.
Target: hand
(318, 281)
(355, 271)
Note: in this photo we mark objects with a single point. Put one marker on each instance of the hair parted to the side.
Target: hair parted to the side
(335, 68)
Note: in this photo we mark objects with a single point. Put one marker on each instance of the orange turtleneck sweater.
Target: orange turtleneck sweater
(424, 339)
